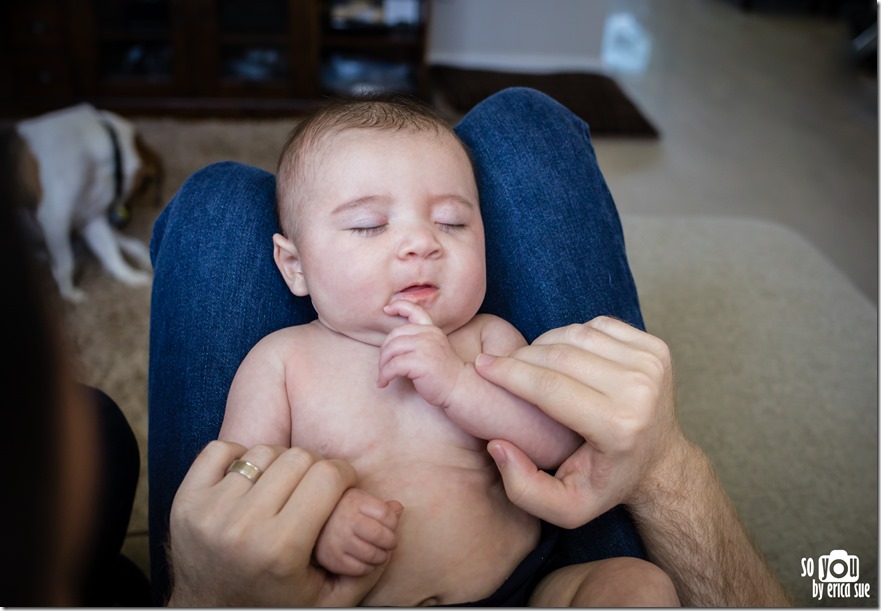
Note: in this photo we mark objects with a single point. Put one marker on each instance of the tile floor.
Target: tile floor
(762, 115)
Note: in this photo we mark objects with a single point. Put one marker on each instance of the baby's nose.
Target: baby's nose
(419, 242)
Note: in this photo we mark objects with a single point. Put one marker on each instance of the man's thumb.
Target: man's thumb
(519, 473)
(533, 490)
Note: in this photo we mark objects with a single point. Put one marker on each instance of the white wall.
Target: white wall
(518, 35)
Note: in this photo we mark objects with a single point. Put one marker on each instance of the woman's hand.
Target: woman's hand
(237, 542)
(613, 385)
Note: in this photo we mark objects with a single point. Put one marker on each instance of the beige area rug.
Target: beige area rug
(776, 361)
(775, 352)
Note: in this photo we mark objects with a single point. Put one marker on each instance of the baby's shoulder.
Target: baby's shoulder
(491, 324)
(285, 343)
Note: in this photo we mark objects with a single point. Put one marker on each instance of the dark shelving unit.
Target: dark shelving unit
(206, 57)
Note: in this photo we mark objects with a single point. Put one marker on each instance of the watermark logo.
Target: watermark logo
(837, 576)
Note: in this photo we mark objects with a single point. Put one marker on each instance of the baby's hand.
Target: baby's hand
(359, 535)
(419, 351)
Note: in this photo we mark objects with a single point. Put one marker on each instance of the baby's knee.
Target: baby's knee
(626, 582)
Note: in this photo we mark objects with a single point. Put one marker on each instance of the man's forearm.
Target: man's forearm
(692, 531)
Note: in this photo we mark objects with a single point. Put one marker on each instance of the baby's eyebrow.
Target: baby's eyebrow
(454, 198)
(360, 202)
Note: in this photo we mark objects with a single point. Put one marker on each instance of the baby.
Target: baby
(382, 229)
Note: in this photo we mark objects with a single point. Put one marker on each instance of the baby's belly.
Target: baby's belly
(459, 537)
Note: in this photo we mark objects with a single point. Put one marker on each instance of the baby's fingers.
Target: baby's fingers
(355, 565)
(371, 545)
(415, 314)
(385, 512)
(400, 365)
(377, 522)
(374, 536)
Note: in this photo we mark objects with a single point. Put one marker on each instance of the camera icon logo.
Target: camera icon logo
(838, 567)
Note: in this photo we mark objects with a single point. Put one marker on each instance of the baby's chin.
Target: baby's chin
(373, 335)
(376, 334)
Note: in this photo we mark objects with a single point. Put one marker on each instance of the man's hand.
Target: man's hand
(420, 351)
(240, 543)
(613, 385)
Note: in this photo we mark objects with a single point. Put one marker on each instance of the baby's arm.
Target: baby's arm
(422, 352)
(360, 533)
(257, 408)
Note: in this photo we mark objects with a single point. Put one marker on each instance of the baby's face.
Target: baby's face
(389, 216)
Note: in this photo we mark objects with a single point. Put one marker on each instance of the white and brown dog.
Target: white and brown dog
(79, 168)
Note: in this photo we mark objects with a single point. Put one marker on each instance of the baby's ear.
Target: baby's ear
(287, 259)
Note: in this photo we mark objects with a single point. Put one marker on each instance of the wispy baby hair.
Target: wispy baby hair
(380, 111)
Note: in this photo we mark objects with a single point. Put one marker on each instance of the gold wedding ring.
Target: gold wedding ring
(245, 468)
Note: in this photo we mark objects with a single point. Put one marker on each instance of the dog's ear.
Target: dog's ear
(287, 259)
(152, 171)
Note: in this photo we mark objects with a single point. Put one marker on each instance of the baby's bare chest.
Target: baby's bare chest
(339, 411)
(405, 449)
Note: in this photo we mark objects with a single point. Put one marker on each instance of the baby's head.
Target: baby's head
(378, 202)
(381, 112)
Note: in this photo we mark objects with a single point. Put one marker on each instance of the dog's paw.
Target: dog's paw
(135, 277)
(73, 295)
(136, 250)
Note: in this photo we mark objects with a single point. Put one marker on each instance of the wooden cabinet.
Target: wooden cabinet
(378, 44)
(206, 57)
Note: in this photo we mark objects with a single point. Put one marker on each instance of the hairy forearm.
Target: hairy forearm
(693, 532)
(487, 411)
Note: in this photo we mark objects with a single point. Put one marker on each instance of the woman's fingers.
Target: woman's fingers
(210, 465)
(250, 468)
(279, 477)
(313, 500)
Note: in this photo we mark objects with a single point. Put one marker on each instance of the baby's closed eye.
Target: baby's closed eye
(369, 231)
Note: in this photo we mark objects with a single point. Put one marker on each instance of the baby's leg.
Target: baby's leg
(359, 535)
(614, 582)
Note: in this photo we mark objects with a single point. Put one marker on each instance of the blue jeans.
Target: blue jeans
(555, 256)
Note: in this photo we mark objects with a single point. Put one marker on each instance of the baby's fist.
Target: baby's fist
(359, 535)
